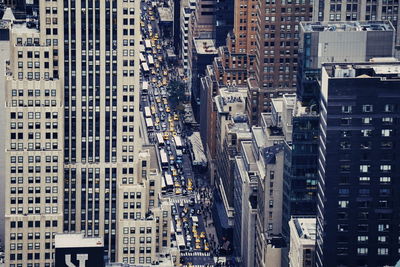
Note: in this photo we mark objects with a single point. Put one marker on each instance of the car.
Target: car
(189, 238)
(202, 235)
(176, 217)
(181, 205)
(206, 248)
(178, 191)
(198, 246)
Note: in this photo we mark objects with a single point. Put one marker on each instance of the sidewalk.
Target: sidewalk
(209, 223)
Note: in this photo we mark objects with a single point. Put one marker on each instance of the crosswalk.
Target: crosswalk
(196, 253)
(179, 200)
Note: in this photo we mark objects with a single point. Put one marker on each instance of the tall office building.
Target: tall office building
(34, 150)
(277, 41)
(98, 64)
(72, 106)
(357, 222)
(320, 43)
(276, 52)
(235, 60)
(327, 10)
(328, 42)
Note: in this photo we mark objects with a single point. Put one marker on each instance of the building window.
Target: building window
(367, 108)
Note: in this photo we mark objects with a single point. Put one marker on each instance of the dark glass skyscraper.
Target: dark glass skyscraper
(358, 203)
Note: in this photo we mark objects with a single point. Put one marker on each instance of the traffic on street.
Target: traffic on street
(166, 129)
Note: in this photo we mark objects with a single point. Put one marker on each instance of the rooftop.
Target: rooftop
(76, 241)
(165, 14)
(205, 46)
(385, 70)
(270, 152)
(348, 26)
(305, 227)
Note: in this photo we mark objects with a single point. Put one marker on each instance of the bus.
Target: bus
(163, 186)
(145, 67)
(147, 44)
(178, 142)
(164, 159)
(169, 183)
(142, 59)
(145, 88)
(151, 60)
(180, 242)
(160, 139)
(149, 124)
(147, 112)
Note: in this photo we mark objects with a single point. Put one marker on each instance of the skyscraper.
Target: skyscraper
(276, 52)
(357, 222)
(73, 150)
(100, 73)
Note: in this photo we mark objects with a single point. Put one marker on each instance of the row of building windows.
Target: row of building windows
(31, 92)
(31, 179)
(31, 125)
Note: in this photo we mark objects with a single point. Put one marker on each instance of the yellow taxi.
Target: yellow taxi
(153, 110)
(165, 100)
(164, 82)
(176, 117)
(157, 65)
(165, 73)
(150, 12)
(198, 246)
(171, 157)
(156, 36)
(160, 58)
(152, 18)
(185, 219)
(153, 72)
(159, 47)
(174, 133)
(174, 172)
(167, 109)
(158, 100)
(142, 23)
(202, 235)
(177, 185)
(190, 181)
(206, 248)
(170, 119)
(157, 120)
(198, 240)
(190, 188)
(165, 136)
(178, 191)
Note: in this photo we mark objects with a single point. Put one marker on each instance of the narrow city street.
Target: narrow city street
(193, 233)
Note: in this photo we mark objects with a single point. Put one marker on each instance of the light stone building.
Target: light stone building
(302, 241)
(73, 149)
